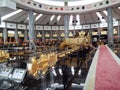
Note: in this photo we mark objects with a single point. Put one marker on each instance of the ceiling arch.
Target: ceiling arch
(44, 18)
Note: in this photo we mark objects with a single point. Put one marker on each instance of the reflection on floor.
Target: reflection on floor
(53, 80)
(60, 87)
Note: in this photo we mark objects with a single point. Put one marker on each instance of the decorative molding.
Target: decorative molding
(86, 26)
(67, 9)
(11, 25)
(21, 26)
(54, 27)
(78, 27)
(47, 27)
(103, 25)
(61, 27)
(39, 27)
(94, 25)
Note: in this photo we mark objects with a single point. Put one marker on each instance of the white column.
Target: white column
(90, 32)
(5, 33)
(16, 34)
(66, 23)
(51, 33)
(43, 35)
(26, 34)
(99, 32)
(0, 18)
(35, 36)
(110, 27)
(31, 30)
(58, 32)
(119, 27)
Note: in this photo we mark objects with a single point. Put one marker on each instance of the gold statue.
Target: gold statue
(41, 66)
(81, 38)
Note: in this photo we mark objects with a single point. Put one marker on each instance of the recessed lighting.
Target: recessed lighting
(52, 17)
(58, 18)
(38, 17)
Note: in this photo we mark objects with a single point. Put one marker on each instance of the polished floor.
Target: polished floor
(53, 80)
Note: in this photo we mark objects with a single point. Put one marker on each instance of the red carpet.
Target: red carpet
(108, 71)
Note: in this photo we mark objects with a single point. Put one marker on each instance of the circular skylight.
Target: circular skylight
(70, 2)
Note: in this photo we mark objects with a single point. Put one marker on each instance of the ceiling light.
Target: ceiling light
(71, 19)
(11, 14)
(100, 17)
(52, 17)
(105, 12)
(78, 19)
(38, 17)
(58, 18)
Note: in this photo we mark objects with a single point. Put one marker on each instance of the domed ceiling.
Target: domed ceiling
(70, 2)
(92, 17)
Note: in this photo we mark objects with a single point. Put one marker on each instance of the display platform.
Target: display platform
(11, 79)
(18, 74)
(5, 72)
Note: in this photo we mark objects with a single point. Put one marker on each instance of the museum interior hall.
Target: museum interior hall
(59, 44)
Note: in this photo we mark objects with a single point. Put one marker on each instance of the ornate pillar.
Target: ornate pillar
(5, 33)
(31, 30)
(66, 23)
(110, 28)
(16, 34)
